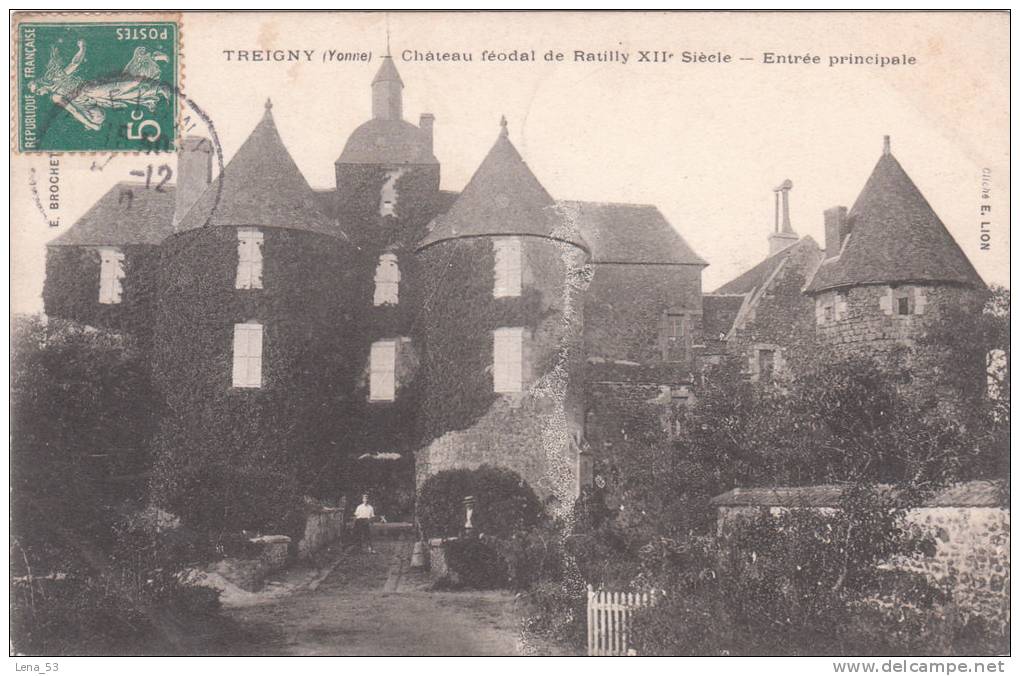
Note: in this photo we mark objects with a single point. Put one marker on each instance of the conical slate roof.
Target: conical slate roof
(502, 198)
(260, 186)
(387, 72)
(895, 237)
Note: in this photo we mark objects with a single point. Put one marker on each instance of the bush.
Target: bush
(532, 557)
(559, 611)
(105, 601)
(476, 563)
(800, 582)
(504, 502)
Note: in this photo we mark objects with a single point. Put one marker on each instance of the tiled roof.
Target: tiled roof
(128, 213)
(260, 186)
(968, 494)
(718, 313)
(390, 142)
(502, 198)
(760, 273)
(629, 233)
(895, 237)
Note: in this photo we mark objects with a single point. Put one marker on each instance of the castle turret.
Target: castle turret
(387, 97)
(387, 174)
(500, 371)
(891, 267)
(247, 291)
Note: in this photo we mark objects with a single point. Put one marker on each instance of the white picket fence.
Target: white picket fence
(609, 615)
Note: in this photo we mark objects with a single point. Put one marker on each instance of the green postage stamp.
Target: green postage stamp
(97, 86)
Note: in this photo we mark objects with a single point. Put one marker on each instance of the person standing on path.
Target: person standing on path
(364, 514)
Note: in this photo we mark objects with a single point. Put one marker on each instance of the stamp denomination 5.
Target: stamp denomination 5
(97, 86)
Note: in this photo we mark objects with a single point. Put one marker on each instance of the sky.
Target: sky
(705, 142)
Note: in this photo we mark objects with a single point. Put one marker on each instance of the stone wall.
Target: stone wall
(250, 573)
(973, 553)
(528, 433)
(323, 527)
(867, 317)
(781, 316)
(625, 306)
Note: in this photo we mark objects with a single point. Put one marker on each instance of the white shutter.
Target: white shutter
(111, 271)
(249, 258)
(387, 280)
(508, 267)
(247, 355)
(382, 371)
(507, 359)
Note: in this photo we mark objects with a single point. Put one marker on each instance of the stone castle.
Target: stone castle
(495, 325)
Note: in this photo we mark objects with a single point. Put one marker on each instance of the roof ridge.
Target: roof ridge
(646, 205)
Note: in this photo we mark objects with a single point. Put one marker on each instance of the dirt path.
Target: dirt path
(371, 605)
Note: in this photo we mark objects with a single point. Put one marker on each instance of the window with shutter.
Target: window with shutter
(249, 258)
(382, 384)
(111, 271)
(508, 359)
(675, 339)
(508, 267)
(248, 355)
(387, 280)
(388, 194)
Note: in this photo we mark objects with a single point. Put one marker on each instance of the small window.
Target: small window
(828, 313)
(388, 194)
(387, 280)
(766, 364)
(382, 384)
(903, 306)
(248, 355)
(508, 267)
(508, 359)
(842, 300)
(676, 330)
(249, 258)
(111, 271)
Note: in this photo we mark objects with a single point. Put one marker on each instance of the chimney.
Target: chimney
(426, 122)
(886, 146)
(194, 173)
(783, 234)
(836, 230)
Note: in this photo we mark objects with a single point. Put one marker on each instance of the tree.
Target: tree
(82, 409)
(975, 347)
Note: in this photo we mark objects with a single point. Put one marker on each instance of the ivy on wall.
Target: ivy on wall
(71, 289)
(285, 438)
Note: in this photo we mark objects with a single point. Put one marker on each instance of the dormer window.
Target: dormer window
(387, 280)
(249, 258)
(508, 267)
(111, 271)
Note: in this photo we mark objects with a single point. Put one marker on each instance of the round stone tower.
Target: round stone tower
(502, 271)
(891, 269)
(249, 347)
